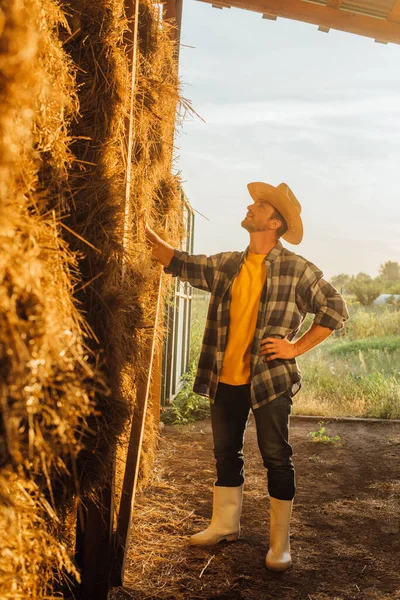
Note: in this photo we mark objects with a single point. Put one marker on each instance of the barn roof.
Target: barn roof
(377, 19)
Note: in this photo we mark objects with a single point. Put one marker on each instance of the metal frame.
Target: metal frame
(177, 324)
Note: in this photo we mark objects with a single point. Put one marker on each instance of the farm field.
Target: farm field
(354, 373)
(345, 526)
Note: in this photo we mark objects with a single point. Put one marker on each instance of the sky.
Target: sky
(284, 102)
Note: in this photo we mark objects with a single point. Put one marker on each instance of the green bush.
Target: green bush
(364, 290)
(186, 406)
(372, 321)
(322, 436)
(393, 288)
(364, 383)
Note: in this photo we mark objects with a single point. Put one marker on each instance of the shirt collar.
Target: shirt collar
(272, 255)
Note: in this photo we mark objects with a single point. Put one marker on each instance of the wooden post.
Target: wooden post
(155, 389)
(173, 13)
(94, 544)
(133, 459)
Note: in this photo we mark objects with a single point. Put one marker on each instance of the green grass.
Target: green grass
(359, 378)
(321, 436)
(384, 344)
(355, 372)
(188, 406)
(372, 321)
(199, 314)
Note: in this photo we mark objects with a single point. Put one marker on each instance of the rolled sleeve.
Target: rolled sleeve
(175, 264)
(322, 299)
(197, 269)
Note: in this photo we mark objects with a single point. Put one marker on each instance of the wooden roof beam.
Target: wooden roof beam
(394, 14)
(335, 4)
(332, 4)
(323, 16)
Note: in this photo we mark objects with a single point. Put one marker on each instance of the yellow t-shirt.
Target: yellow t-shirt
(245, 300)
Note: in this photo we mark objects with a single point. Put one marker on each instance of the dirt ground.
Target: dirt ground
(345, 526)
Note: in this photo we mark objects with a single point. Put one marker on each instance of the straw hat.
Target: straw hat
(283, 199)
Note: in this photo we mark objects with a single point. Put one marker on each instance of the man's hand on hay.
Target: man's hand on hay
(143, 219)
(161, 250)
(151, 235)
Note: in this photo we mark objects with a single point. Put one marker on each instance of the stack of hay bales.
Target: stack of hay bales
(76, 300)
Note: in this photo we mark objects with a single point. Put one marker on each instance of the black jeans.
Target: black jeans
(229, 416)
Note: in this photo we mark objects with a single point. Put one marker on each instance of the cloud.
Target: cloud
(290, 112)
(219, 161)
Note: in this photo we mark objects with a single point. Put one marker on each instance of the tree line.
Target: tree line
(366, 288)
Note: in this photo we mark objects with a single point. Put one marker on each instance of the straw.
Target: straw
(72, 332)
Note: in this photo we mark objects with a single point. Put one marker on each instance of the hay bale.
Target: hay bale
(76, 301)
(120, 302)
(47, 381)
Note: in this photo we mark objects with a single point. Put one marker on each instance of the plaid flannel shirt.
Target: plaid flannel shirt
(293, 287)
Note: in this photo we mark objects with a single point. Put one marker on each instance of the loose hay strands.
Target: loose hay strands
(46, 386)
(120, 304)
(161, 564)
(68, 376)
(33, 555)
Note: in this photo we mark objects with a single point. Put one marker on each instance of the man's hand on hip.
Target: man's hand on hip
(273, 348)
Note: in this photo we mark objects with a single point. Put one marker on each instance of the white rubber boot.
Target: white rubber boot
(278, 557)
(225, 521)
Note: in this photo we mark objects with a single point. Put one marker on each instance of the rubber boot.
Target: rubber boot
(225, 521)
(278, 557)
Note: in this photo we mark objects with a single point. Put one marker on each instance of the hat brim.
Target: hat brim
(264, 191)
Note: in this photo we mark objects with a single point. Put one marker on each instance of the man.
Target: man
(259, 299)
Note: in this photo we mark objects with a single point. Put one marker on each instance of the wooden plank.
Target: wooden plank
(336, 4)
(132, 464)
(155, 389)
(324, 16)
(130, 39)
(394, 14)
(173, 13)
(94, 537)
(131, 42)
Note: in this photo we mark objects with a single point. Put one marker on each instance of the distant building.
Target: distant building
(383, 299)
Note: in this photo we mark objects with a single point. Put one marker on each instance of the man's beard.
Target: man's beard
(253, 226)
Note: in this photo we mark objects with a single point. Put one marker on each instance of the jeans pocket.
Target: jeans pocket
(283, 401)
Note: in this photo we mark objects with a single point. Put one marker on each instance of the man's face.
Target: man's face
(258, 217)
